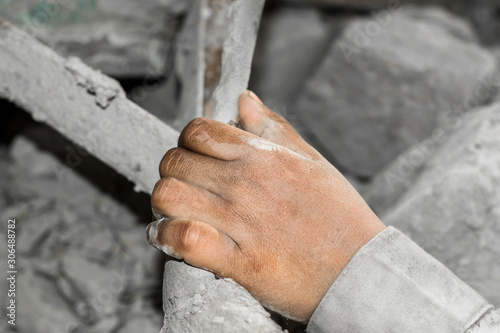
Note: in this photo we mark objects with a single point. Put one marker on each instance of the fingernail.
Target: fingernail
(152, 232)
(253, 96)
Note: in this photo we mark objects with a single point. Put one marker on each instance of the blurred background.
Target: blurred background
(399, 95)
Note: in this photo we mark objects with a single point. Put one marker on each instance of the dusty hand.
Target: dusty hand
(261, 207)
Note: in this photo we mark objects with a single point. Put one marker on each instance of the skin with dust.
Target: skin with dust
(264, 145)
(152, 235)
(261, 207)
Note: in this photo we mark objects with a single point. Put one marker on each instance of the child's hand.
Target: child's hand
(261, 207)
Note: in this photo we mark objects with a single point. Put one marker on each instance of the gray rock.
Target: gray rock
(284, 60)
(484, 16)
(84, 261)
(144, 324)
(40, 308)
(396, 178)
(496, 53)
(452, 208)
(389, 81)
(367, 4)
(121, 38)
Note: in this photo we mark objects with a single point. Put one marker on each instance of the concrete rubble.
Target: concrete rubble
(283, 61)
(121, 38)
(385, 85)
(83, 262)
(400, 98)
(84, 105)
(455, 199)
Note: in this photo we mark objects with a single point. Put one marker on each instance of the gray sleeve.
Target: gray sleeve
(489, 323)
(392, 285)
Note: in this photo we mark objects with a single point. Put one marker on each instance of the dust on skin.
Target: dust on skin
(152, 236)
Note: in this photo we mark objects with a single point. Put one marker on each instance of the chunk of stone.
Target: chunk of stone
(452, 207)
(121, 38)
(484, 16)
(284, 60)
(389, 81)
(84, 261)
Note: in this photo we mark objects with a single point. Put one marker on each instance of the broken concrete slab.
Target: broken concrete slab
(190, 63)
(84, 259)
(451, 208)
(395, 179)
(86, 106)
(121, 38)
(283, 61)
(388, 82)
(366, 4)
(484, 16)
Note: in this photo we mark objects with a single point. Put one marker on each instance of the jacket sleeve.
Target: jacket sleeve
(392, 285)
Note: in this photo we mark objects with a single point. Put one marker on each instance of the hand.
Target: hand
(261, 207)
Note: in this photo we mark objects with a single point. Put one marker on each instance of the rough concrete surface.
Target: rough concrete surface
(83, 264)
(86, 106)
(190, 63)
(231, 308)
(385, 86)
(452, 208)
(283, 61)
(237, 54)
(121, 38)
(365, 4)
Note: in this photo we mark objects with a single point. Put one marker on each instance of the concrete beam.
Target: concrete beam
(86, 106)
(193, 299)
(243, 19)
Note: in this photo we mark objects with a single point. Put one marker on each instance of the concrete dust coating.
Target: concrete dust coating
(237, 54)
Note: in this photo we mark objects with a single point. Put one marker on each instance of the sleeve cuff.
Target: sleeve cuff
(392, 285)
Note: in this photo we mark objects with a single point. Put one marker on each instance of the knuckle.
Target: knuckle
(169, 159)
(190, 236)
(191, 129)
(166, 191)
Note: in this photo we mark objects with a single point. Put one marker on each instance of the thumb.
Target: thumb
(258, 119)
(198, 243)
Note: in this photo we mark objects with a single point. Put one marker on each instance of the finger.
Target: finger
(213, 138)
(258, 119)
(198, 243)
(174, 198)
(200, 170)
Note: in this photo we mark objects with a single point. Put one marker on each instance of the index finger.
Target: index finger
(215, 139)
